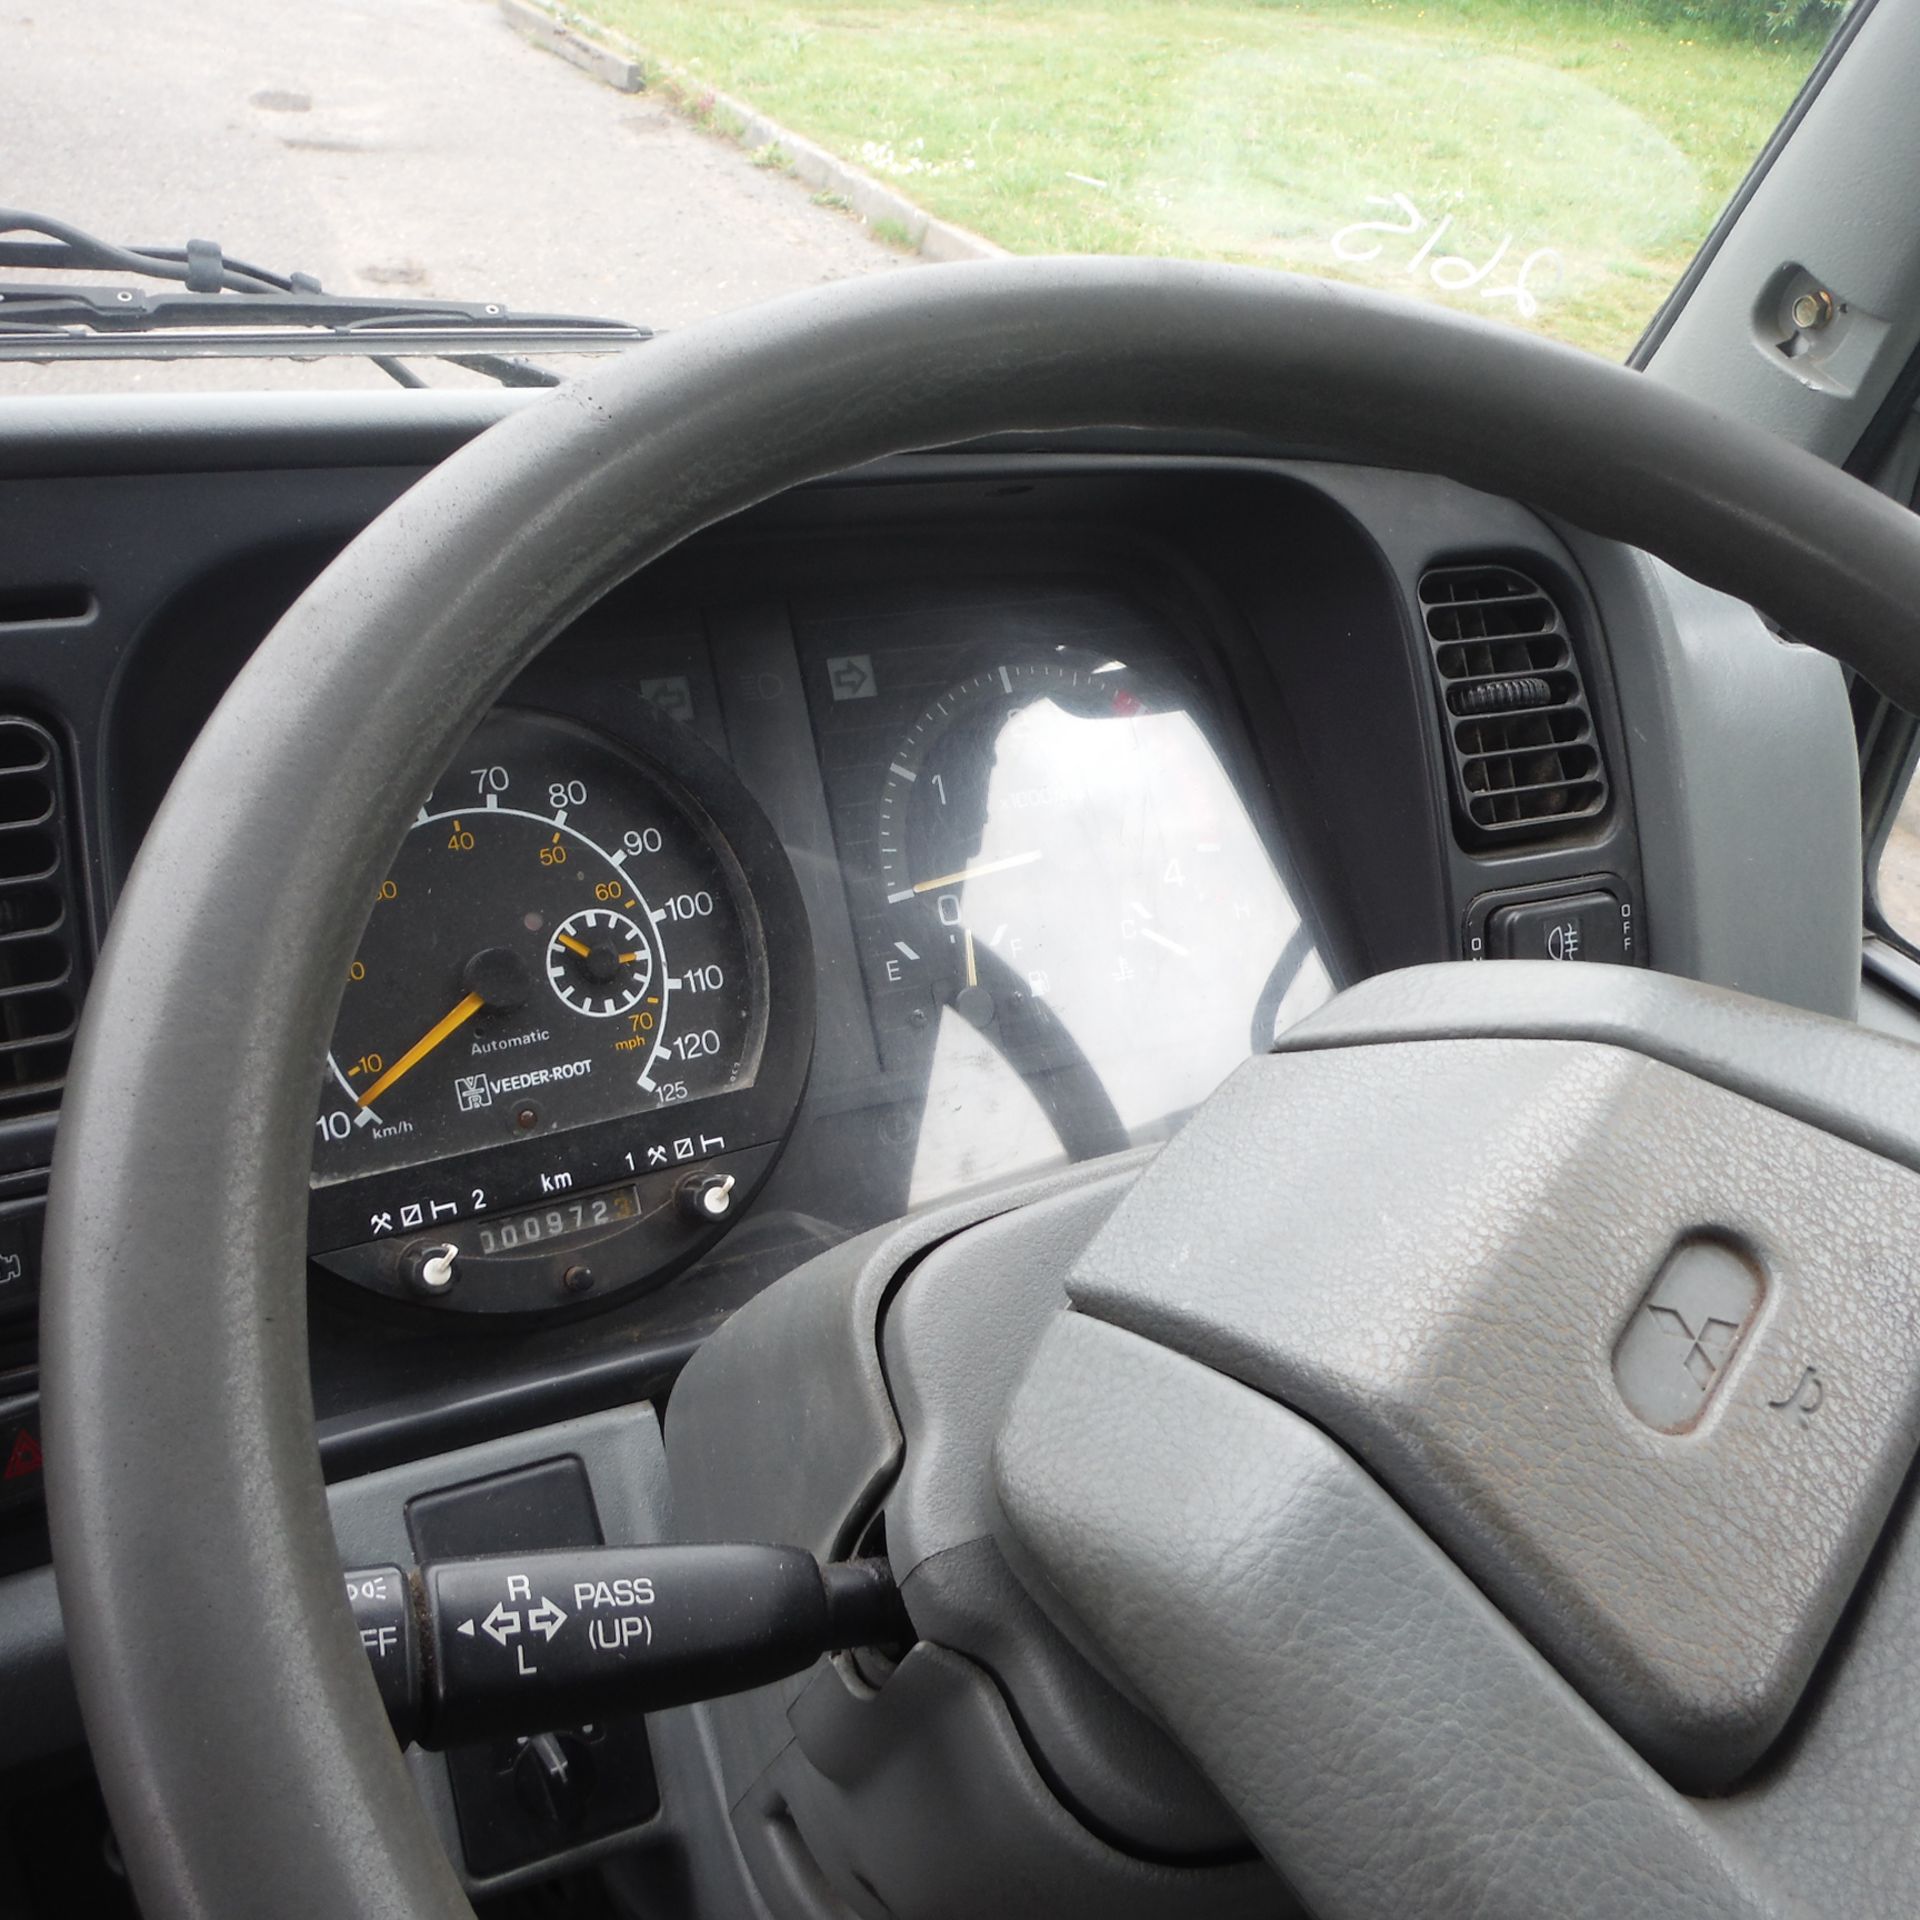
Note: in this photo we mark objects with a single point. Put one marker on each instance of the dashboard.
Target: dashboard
(910, 840)
(955, 820)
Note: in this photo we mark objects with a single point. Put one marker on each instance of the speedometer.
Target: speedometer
(516, 977)
(563, 988)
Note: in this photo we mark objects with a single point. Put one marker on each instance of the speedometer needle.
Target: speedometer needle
(446, 1024)
(978, 868)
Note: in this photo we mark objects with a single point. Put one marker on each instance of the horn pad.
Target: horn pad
(1638, 1351)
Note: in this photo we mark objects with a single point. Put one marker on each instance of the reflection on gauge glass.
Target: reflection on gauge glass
(1072, 887)
(559, 942)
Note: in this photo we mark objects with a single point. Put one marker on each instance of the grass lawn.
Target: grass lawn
(1568, 157)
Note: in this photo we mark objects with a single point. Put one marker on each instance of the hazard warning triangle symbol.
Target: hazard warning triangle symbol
(25, 1457)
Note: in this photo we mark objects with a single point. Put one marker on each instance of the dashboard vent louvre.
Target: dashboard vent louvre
(40, 964)
(1520, 735)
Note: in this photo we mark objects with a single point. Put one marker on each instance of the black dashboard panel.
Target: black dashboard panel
(1078, 771)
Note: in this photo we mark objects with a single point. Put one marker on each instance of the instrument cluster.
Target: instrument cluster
(1046, 921)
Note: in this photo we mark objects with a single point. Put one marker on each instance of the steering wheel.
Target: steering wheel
(233, 1721)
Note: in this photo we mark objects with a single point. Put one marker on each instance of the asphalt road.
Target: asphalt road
(400, 146)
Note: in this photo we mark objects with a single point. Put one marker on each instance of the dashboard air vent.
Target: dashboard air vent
(1526, 760)
(39, 929)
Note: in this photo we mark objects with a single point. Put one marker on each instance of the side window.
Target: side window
(1895, 869)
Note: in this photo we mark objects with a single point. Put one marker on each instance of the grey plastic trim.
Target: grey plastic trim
(951, 1343)
(955, 1340)
(1103, 1758)
(1746, 785)
(1391, 1742)
(921, 1802)
(238, 1733)
(1833, 202)
(1833, 1813)
(1840, 1077)
(785, 1430)
(1467, 1259)
(1839, 41)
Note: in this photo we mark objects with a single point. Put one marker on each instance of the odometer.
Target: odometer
(565, 955)
(567, 1223)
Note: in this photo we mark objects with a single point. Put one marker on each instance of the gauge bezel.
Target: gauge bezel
(778, 1047)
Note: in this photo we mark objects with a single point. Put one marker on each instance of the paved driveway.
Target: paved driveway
(409, 146)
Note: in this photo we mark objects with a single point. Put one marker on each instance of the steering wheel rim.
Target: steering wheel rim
(234, 1725)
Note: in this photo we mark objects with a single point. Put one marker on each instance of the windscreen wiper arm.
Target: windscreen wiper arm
(199, 264)
(229, 308)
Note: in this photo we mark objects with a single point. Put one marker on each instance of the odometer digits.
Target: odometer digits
(564, 1224)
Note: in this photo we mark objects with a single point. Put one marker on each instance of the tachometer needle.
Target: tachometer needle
(978, 868)
(448, 1023)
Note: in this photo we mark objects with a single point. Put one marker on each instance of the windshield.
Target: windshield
(1549, 163)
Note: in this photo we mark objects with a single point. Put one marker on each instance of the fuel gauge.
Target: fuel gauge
(962, 914)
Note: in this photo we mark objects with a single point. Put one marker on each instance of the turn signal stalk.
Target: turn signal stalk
(469, 1649)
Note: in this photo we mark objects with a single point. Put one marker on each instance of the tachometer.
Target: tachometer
(1062, 859)
(563, 986)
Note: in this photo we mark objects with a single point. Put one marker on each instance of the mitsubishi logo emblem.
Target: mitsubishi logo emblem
(1708, 1344)
(1685, 1336)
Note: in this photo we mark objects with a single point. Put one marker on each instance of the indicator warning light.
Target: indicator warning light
(25, 1458)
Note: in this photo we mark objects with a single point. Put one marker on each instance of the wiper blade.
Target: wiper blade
(230, 308)
(123, 310)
